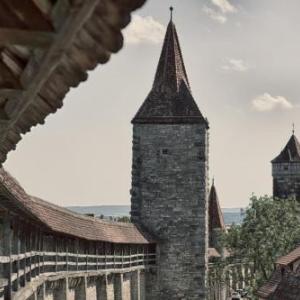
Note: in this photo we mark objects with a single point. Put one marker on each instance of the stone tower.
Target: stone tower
(170, 178)
(286, 171)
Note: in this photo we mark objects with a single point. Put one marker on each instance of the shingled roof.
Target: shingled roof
(284, 282)
(46, 48)
(290, 153)
(288, 288)
(61, 220)
(215, 217)
(170, 100)
(270, 286)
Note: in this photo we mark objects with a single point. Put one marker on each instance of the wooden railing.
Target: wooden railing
(26, 266)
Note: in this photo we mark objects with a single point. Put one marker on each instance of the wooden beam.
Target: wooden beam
(33, 39)
(7, 79)
(27, 12)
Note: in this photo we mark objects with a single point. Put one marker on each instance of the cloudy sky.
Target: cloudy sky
(243, 62)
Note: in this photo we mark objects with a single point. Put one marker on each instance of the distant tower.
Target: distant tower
(216, 224)
(286, 171)
(170, 178)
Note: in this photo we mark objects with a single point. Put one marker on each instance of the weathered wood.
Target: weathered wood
(7, 249)
(7, 79)
(29, 14)
(64, 38)
(60, 12)
(118, 286)
(16, 251)
(40, 39)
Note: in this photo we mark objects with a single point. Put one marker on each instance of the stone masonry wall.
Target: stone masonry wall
(169, 197)
(286, 180)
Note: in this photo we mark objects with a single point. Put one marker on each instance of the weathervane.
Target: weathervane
(171, 12)
(293, 128)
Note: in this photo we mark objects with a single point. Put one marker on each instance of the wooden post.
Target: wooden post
(28, 250)
(23, 251)
(97, 255)
(56, 249)
(16, 251)
(105, 258)
(7, 245)
(101, 286)
(135, 285)
(118, 286)
(77, 252)
(41, 292)
(67, 254)
(81, 290)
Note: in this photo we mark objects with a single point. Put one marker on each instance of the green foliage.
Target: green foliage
(270, 229)
(124, 219)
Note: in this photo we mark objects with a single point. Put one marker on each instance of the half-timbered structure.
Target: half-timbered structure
(49, 251)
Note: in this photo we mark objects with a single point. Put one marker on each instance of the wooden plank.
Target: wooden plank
(29, 14)
(59, 13)
(33, 39)
(16, 251)
(7, 79)
(7, 251)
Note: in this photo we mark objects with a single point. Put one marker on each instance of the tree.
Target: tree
(269, 230)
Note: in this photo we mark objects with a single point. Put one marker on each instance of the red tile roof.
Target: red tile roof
(215, 217)
(64, 221)
(289, 258)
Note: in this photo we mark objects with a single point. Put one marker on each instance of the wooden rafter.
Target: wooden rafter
(34, 39)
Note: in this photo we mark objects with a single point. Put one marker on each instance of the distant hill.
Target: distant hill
(231, 215)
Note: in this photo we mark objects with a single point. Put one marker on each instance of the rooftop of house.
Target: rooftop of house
(285, 281)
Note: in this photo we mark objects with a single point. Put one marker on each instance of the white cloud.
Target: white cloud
(237, 65)
(215, 15)
(224, 5)
(144, 30)
(266, 102)
(220, 10)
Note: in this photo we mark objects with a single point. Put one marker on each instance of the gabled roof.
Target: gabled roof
(63, 221)
(215, 218)
(290, 153)
(170, 100)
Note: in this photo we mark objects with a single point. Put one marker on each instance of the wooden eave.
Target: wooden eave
(46, 48)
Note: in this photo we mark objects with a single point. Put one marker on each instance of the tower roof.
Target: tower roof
(290, 153)
(170, 100)
(215, 218)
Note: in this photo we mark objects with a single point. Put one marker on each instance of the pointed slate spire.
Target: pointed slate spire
(170, 100)
(171, 71)
(215, 217)
(290, 153)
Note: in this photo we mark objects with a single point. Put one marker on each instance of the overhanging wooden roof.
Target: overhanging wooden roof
(47, 47)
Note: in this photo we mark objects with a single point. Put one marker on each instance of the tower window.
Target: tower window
(165, 151)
